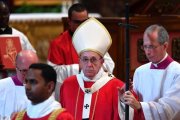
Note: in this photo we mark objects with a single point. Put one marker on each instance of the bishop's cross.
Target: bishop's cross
(87, 90)
(86, 106)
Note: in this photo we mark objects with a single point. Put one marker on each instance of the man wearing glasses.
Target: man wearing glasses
(62, 55)
(156, 83)
(92, 94)
(12, 91)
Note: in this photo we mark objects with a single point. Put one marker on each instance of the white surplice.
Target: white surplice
(43, 109)
(12, 98)
(159, 91)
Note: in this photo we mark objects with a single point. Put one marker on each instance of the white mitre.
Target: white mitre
(92, 35)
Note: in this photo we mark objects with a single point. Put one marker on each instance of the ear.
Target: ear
(80, 63)
(165, 45)
(69, 21)
(50, 86)
(102, 60)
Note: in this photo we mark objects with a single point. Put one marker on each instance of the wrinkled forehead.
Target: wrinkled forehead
(23, 62)
(89, 54)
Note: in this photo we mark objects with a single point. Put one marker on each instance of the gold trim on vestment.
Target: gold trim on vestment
(20, 115)
(76, 103)
(52, 116)
(55, 113)
(95, 104)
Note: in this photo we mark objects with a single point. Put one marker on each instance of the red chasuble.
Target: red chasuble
(104, 103)
(61, 50)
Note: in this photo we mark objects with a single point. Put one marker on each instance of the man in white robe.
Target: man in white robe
(157, 82)
(12, 91)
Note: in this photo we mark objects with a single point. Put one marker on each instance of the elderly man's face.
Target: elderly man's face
(24, 59)
(21, 71)
(153, 49)
(90, 63)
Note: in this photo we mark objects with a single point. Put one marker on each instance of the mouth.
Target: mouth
(89, 71)
(149, 57)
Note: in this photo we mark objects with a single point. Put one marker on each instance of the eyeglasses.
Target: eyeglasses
(93, 60)
(150, 47)
(78, 21)
(22, 70)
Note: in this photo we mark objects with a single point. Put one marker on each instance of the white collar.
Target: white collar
(100, 80)
(44, 108)
(3, 29)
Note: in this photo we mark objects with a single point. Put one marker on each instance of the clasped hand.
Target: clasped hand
(128, 98)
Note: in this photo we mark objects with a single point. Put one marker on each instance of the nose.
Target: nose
(147, 52)
(89, 63)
